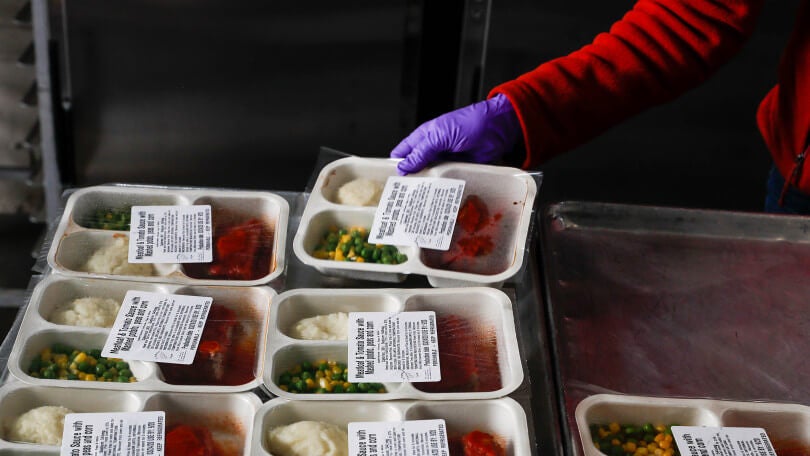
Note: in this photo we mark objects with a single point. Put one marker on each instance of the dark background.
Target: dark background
(243, 94)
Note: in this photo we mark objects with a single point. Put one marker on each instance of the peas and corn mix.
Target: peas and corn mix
(323, 377)
(109, 219)
(616, 439)
(62, 362)
(352, 245)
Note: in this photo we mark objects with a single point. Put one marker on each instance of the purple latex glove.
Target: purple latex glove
(482, 132)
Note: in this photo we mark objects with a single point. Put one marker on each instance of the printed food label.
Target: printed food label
(170, 234)
(722, 441)
(398, 438)
(157, 327)
(393, 347)
(114, 434)
(417, 211)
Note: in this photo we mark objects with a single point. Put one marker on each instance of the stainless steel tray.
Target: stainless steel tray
(678, 303)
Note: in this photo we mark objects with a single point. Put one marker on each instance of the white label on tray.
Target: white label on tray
(114, 434)
(170, 234)
(722, 441)
(393, 347)
(417, 211)
(157, 327)
(398, 438)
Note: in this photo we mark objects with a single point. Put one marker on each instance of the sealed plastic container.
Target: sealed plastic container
(97, 218)
(227, 417)
(503, 418)
(478, 349)
(787, 425)
(243, 311)
(501, 199)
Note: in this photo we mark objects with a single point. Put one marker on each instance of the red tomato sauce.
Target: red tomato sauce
(468, 358)
(474, 239)
(241, 252)
(225, 356)
(185, 440)
(476, 443)
(791, 448)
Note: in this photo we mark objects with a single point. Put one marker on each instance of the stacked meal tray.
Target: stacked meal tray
(618, 424)
(57, 357)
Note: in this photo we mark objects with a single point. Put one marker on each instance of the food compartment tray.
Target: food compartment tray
(487, 311)
(508, 194)
(229, 417)
(250, 307)
(503, 418)
(787, 425)
(75, 239)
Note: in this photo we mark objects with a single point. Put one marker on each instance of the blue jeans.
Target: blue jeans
(795, 201)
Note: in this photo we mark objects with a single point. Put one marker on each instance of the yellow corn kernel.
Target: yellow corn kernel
(379, 246)
(81, 357)
(660, 428)
(614, 427)
(333, 229)
(669, 452)
(90, 377)
(310, 383)
(323, 382)
(641, 452)
(346, 384)
(658, 452)
(360, 260)
(381, 390)
(318, 374)
(596, 444)
(664, 444)
(339, 255)
(337, 370)
(652, 447)
(668, 437)
(331, 255)
(603, 433)
(615, 442)
(642, 443)
(659, 437)
(362, 230)
(630, 447)
(92, 361)
(45, 355)
(321, 254)
(81, 375)
(345, 238)
(132, 379)
(284, 388)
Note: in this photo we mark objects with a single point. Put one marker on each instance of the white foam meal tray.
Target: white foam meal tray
(508, 193)
(74, 242)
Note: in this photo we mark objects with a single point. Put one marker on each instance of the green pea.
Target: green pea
(125, 373)
(323, 366)
(113, 371)
(121, 365)
(49, 374)
(72, 376)
(336, 376)
(648, 438)
(100, 369)
(362, 387)
(629, 430)
(305, 375)
(35, 365)
(108, 375)
(284, 379)
(300, 385)
(306, 366)
(351, 389)
(83, 366)
(648, 428)
(94, 353)
(337, 389)
(122, 379)
(376, 254)
(386, 259)
(341, 232)
(345, 376)
(321, 391)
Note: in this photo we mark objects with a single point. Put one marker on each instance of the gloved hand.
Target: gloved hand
(481, 133)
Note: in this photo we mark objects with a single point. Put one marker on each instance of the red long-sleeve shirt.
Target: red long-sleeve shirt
(658, 50)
